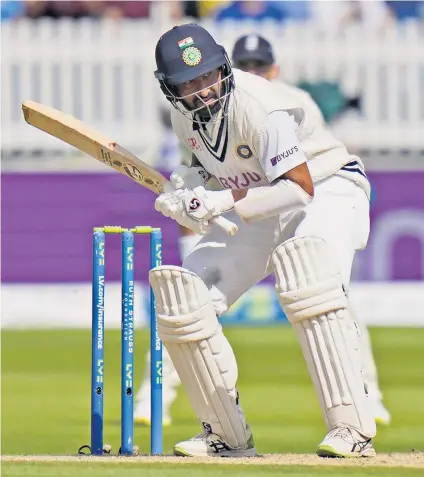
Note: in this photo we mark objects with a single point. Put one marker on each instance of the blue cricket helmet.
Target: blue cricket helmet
(186, 52)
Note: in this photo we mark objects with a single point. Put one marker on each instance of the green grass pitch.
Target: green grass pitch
(46, 401)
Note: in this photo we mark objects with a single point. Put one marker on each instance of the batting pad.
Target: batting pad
(310, 291)
(201, 354)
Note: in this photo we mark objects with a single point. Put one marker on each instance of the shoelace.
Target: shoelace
(342, 432)
(201, 436)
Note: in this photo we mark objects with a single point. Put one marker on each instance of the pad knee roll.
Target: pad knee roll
(183, 305)
(308, 281)
(311, 293)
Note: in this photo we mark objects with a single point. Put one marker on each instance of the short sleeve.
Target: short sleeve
(278, 146)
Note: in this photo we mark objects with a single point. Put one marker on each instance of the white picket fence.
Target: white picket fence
(102, 72)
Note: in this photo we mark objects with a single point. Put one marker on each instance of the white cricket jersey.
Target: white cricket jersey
(270, 128)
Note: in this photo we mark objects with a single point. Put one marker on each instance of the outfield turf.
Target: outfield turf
(46, 395)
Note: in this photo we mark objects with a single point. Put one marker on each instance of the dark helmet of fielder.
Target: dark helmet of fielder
(252, 48)
(184, 53)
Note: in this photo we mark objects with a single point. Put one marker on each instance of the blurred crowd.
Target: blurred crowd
(375, 14)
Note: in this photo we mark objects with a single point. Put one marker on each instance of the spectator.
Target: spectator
(191, 9)
(298, 10)
(208, 8)
(126, 9)
(12, 10)
(336, 17)
(203, 8)
(373, 16)
(251, 10)
(92, 8)
(35, 8)
(406, 10)
(57, 9)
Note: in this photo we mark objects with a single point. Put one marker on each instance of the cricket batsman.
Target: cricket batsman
(301, 202)
(254, 54)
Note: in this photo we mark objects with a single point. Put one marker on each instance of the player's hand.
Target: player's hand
(187, 177)
(194, 208)
(172, 204)
(201, 204)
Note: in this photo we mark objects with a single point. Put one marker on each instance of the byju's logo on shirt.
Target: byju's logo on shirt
(284, 155)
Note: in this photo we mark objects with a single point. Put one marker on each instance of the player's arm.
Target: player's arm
(284, 164)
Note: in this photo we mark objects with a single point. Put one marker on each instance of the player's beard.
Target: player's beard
(207, 112)
(196, 109)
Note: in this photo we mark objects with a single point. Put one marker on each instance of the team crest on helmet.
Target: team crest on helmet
(244, 151)
(191, 56)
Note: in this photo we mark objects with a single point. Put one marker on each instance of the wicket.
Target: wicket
(127, 341)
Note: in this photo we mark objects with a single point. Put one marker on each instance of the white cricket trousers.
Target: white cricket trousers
(339, 214)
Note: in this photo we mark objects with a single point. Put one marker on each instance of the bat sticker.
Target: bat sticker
(105, 157)
(133, 172)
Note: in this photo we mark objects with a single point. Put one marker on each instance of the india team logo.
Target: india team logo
(244, 151)
(191, 56)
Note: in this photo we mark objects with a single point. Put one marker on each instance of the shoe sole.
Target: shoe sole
(181, 452)
(328, 451)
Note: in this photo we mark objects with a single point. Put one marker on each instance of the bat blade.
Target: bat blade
(87, 139)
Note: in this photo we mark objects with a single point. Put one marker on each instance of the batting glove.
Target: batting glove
(194, 209)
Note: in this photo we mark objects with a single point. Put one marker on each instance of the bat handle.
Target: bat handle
(229, 227)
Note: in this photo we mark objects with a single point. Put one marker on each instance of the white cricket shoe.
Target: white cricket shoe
(381, 414)
(207, 444)
(345, 442)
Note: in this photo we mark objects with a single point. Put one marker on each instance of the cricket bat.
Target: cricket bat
(95, 144)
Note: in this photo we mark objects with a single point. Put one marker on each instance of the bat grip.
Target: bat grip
(229, 227)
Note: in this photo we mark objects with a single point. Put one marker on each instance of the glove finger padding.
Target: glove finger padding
(170, 201)
(189, 177)
(159, 202)
(169, 187)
